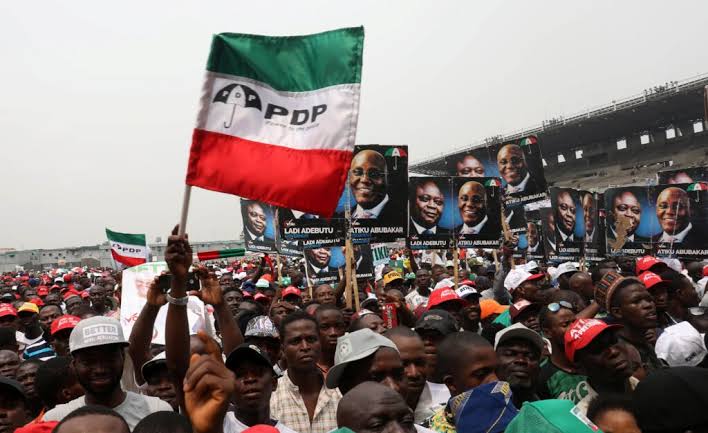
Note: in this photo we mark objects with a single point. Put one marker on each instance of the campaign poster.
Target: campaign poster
(534, 236)
(288, 248)
(682, 176)
(134, 287)
(310, 231)
(477, 220)
(548, 232)
(364, 260)
(520, 166)
(258, 226)
(594, 234)
(323, 264)
(472, 163)
(680, 226)
(515, 224)
(377, 194)
(630, 221)
(568, 217)
(431, 210)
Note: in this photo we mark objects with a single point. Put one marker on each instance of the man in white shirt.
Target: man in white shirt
(97, 348)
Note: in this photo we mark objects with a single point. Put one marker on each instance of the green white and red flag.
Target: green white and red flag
(278, 118)
(220, 254)
(128, 249)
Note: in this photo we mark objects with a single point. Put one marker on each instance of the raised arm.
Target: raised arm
(141, 335)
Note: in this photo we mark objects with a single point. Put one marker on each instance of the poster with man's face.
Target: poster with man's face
(310, 231)
(431, 210)
(258, 226)
(594, 234)
(472, 163)
(323, 264)
(629, 219)
(477, 222)
(568, 218)
(680, 225)
(520, 166)
(364, 261)
(378, 185)
(682, 176)
(548, 232)
(515, 220)
(534, 236)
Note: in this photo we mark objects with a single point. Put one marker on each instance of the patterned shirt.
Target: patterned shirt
(288, 406)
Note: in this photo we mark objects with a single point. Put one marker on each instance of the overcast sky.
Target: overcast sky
(98, 99)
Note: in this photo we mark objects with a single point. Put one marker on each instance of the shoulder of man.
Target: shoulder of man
(154, 404)
(62, 410)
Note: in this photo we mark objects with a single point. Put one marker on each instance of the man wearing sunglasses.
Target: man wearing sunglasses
(595, 347)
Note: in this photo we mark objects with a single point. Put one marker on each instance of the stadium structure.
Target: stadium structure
(624, 143)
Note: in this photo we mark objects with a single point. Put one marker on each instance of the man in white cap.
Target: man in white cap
(522, 285)
(563, 274)
(681, 345)
(97, 348)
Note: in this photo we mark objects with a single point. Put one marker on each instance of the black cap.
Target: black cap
(247, 352)
(9, 384)
(437, 320)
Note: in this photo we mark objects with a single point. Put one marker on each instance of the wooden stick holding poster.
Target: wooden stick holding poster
(355, 285)
(307, 275)
(456, 265)
(348, 273)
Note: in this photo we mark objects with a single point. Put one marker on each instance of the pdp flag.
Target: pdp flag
(278, 118)
(128, 249)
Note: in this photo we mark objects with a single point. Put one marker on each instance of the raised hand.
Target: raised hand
(178, 254)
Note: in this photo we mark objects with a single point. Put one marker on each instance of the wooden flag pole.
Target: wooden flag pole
(355, 285)
(277, 264)
(348, 273)
(307, 276)
(456, 264)
(185, 210)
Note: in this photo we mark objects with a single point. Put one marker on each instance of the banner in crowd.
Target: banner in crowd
(666, 220)
(682, 175)
(594, 226)
(548, 232)
(519, 165)
(310, 231)
(288, 248)
(134, 288)
(127, 249)
(378, 181)
(278, 118)
(534, 236)
(258, 226)
(431, 210)
(323, 264)
(364, 260)
(569, 226)
(380, 254)
(477, 220)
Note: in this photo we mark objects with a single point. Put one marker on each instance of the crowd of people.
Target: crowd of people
(495, 345)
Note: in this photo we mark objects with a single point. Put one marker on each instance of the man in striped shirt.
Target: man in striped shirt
(31, 334)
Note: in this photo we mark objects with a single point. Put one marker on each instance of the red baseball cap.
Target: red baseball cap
(261, 428)
(84, 294)
(444, 294)
(7, 310)
(705, 271)
(520, 306)
(67, 278)
(246, 294)
(37, 301)
(70, 293)
(290, 290)
(650, 279)
(64, 322)
(645, 263)
(42, 291)
(260, 296)
(581, 333)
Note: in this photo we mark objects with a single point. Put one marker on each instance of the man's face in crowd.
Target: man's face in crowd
(13, 411)
(98, 297)
(319, 256)
(373, 322)
(254, 385)
(233, 299)
(532, 233)
(26, 373)
(673, 210)
(529, 318)
(589, 213)
(512, 164)
(301, 344)
(479, 368)
(255, 218)
(331, 328)
(9, 362)
(470, 166)
(60, 342)
(29, 293)
(27, 320)
(159, 384)
(627, 205)
(429, 204)
(471, 312)
(566, 212)
(324, 295)
(412, 352)
(73, 304)
(53, 299)
(472, 203)
(605, 357)
(685, 293)
(384, 366)
(9, 321)
(84, 282)
(98, 423)
(99, 369)
(367, 178)
(379, 412)
(431, 340)
(556, 324)
(636, 307)
(518, 363)
(47, 315)
(422, 278)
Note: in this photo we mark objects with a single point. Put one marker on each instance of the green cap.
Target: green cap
(551, 416)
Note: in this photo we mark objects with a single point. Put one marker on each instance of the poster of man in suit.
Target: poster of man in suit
(568, 218)
(534, 236)
(593, 239)
(682, 176)
(681, 219)
(478, 217)
(322, 264)
(377, 185)
(430, 210)
(520, 166)
(258, 226)
(629, 218)
(310, 231)
(471, 163)
(548, 230)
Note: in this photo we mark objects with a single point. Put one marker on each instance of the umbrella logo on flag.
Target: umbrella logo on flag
(528, 141)
(492, 182)
(238, 95)
(396, 152)
(698, 186)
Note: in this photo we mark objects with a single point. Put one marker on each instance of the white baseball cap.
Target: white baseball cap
(681, 345)
(96, 331)
(517, 276)
(354, 346)
(566, 267)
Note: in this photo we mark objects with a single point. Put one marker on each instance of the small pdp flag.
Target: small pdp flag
(128, 249)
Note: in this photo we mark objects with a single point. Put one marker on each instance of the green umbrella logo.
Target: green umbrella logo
(396, 152)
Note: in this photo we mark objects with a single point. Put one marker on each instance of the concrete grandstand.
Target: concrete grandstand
(623, 143)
